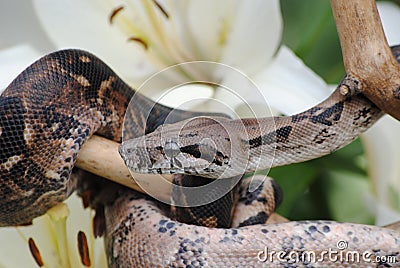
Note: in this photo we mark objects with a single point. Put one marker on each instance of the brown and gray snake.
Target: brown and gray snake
(50, 110)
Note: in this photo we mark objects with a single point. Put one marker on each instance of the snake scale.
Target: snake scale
(56, 104)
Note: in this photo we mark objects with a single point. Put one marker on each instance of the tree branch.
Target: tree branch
(100, 156)
(366, 53)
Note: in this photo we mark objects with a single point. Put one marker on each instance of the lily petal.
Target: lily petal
(14, 250)
(290, 85)
(384, 214)
(13, 61)
(220, 30)
(85, 24)
(382, 146)
(287, 84)
(55, 236)
(254, 36)
(390, 17)
(207, 26)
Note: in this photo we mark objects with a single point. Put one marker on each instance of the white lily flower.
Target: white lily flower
(139, 38)
(63, 237)
(381, 142)
(13, 61)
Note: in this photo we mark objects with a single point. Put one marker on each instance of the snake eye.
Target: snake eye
(171, 149)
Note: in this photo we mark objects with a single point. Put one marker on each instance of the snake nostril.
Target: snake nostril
(171, 149)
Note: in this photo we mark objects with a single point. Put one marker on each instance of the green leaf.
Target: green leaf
(346, 193)
(306, 186)
(294, 180)
(310, 31)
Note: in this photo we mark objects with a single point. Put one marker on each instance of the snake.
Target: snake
(56, 104)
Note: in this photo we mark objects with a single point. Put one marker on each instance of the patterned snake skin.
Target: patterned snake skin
(56, 104)
(46, 115)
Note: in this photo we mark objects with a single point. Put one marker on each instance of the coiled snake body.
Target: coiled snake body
(56, 104)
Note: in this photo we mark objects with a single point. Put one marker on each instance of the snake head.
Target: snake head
(197, 146)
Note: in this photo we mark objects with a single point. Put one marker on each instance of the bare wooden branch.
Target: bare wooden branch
(394, 226)
(100, 156)
(366, 53)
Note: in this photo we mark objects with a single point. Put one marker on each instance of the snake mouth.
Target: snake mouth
(164, 167)
(154, 160)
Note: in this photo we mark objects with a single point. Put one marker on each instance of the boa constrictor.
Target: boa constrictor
(56, 104)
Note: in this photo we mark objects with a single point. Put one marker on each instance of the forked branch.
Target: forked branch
(366, 53)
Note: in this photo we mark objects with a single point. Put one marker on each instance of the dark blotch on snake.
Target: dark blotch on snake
(278, 193)
(165, 226)
(322, 136)
(162, 230)
(12, 126)
(312, 229)
(326, 229)
(298, 118)
(170, 225)
(280, 135)
(193, 150)
(260, 218)
(190, 252)
(330, 115)
(205, 152)
(250, 197)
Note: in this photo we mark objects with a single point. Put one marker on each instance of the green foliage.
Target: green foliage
(331, 187)
(310, 31)
(334, 186)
